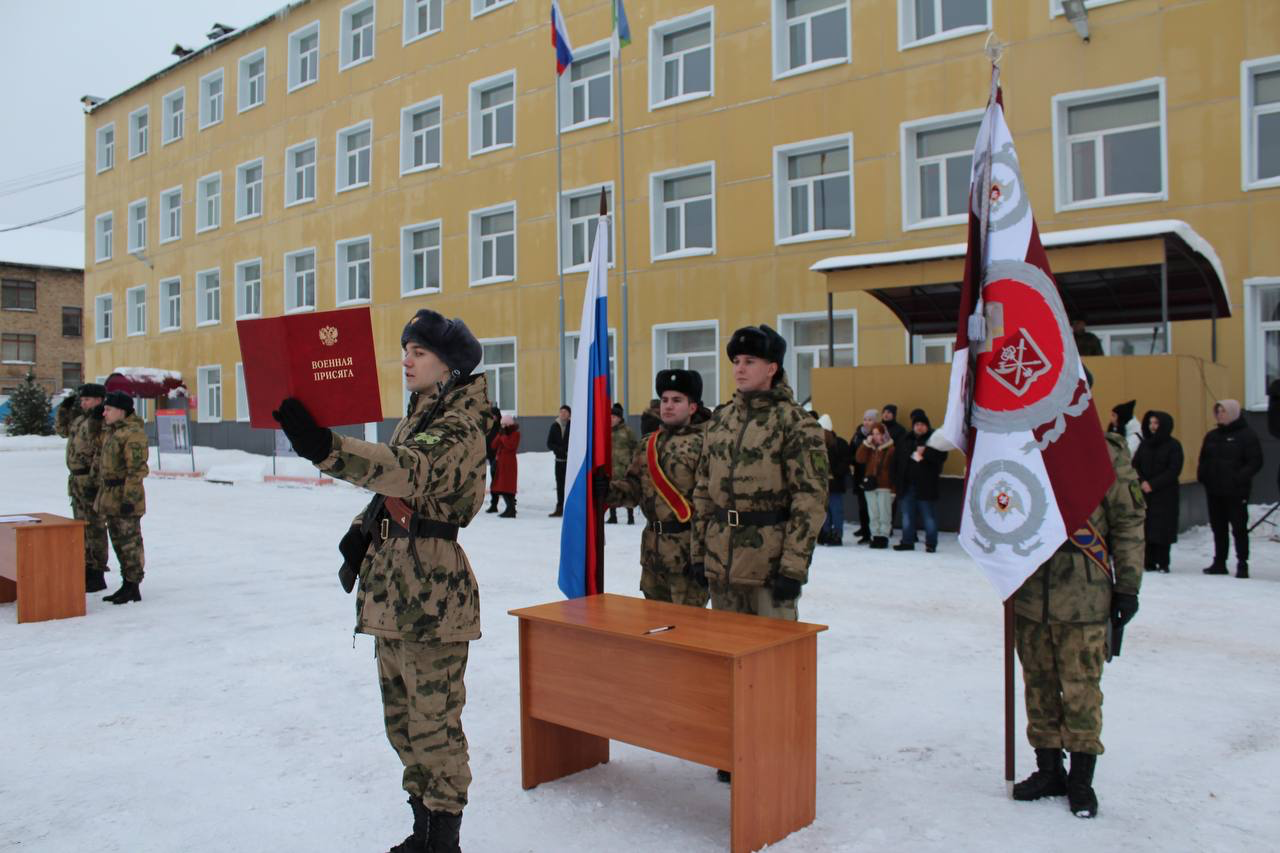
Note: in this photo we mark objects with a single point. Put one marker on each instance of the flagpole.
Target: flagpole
(1008, 695)
(564, 397)
(620, 204)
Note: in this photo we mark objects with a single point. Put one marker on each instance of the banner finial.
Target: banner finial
(994, 48)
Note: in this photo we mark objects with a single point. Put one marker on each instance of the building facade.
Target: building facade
(41, 326)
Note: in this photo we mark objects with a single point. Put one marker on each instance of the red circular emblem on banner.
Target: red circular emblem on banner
(1026, 353)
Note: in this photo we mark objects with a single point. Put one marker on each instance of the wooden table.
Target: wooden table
(42, 566)
(733, 692)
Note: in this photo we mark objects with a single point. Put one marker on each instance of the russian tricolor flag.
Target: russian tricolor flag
(591, 439)
(560, 39)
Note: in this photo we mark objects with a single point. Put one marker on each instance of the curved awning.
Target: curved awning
(146, 382)
(1111, 275)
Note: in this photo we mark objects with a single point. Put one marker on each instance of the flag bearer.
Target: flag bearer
(84, 443)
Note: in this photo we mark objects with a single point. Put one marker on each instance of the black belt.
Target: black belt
(113, 482)
(760, 518)
(423, 528)
(79, 472)
(666, 527)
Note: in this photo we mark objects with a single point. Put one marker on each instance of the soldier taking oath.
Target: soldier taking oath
(84, 443)
(121, 499)
(418, 597)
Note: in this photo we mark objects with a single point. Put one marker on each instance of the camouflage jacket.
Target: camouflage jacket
(1071, 588)
(84, 446)
(678, 452)
(121, 467)
(65, 416)
(440, 473)
(762, 452)
(626, 447)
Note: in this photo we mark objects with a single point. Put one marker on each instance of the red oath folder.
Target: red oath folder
(324, 358)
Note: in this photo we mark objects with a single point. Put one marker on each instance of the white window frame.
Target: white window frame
(1249, 125)
(340, 265)
(657, 221)
(1062, 149)
(1106, 334)
(242, 394)
(657, 60)
(131, 243)
(167, 114)
(411, 34)
(139, 144)
(407, 259)
(290, 172)
(564, 226)
(910, 187)
(407, 135)
(201, 202)
(782, 194)
(243, 189)
(571, 356)
(475, 247)
(916, 345)
(132, 327)
(787, 328)
(291, 272)
(781, 43)
(711, 396)
(99, 233)
(103, 309)
(203, 413)
(345, 60)
(341, 155)
(1255, 335)
(479, 7)
(206, 113)
(1055, 6)
(202, 290)
(105, 148)
(244, 82)
(567, 85)
(475, 125)
(167, 234)
(241, 302)
(514, 364)
(164, 301)
(295, 81)
(907, 28)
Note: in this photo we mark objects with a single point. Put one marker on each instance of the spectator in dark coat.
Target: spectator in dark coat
(1229, 458)
(919, 470)
(869, 419)
(1273, 418)
(558, 444)
(506, 444)
(889, 417)
(1159, 464)
(839, 458)
(491, 454)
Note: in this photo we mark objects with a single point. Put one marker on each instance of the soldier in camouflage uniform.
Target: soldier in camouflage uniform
(625, 447)
(67, 412)
(666, 570)
(1062, 615)
(84, 443)
(121, 500)
(418, 597)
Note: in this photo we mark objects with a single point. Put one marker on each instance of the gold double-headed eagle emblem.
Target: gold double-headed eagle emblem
(328, 336)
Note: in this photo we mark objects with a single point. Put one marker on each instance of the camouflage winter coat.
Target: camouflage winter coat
(762, 452)
(440, 473)
(84, 445)
(1071, 588)
(626, 447)
(121, 467)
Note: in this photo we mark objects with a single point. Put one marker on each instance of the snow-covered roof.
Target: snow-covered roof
(42, 247)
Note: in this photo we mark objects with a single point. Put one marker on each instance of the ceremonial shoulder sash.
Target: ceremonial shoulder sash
(1092, 544)
(669, 492)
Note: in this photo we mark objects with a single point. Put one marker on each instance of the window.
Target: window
(682, 204)
(102, 315)
(72, 374)
(138, 121)
(357, 34)
(252, 81)
(304, 56)
(1260, 113)
(173, 109)
(1132, 340)
(479, 7)
(420, 258)
(493, 113)
(171, 214)
(690, 346)
(208, 297)
(300, 280)
(571, 358)
(498, 362)
(808, 35)
(579, 219)
(813, 189)
(209, 391)
(211, 99)
(249, 288)
(932, 349)
(138, 225)
(242, 394)
(18, 348)
(493, 244)
(1109, 145)
(209, 202)
(422, 18)
(586, 90)
(170, 304)
(106, 146)
(300, 177)
(72, 321)
(420, 136)
(354, 152)
(682, 49)
(135, 320)
(17, 294)
(249, 190)
(807, 347)
(102, 236)
(354, 270)
(1261, 338)
(937, 164)
(928, 21)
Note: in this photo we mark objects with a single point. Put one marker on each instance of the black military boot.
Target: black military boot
(724, 776)
(1080, 797)
(444, 832)
(1242, 568)
(94, 580)
(127, 592)
(1217, 569)
(631, 516)
(417, 840)
(493, 505)
(1049, 779)
(510, 511)
(613, 516)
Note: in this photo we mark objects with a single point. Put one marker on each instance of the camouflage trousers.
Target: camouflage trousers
(95, 534)
(1062, 670)
(754, 600)
(422, 698)
(676, 587)
(126, 539)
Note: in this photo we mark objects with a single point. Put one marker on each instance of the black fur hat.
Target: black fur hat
(759, 341)
(686, 382)
(451, 340)
(617, 410)
(92, 389)
(119, 400)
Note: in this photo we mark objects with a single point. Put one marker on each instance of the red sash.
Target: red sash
(669, 492)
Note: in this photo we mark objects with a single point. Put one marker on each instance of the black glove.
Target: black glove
(1124, 606)
(785, 588)
(697, 573)
(126, 509)
(600, 485)
(353, 547)
(309, 441)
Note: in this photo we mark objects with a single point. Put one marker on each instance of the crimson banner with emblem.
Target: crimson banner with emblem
(1019, 404)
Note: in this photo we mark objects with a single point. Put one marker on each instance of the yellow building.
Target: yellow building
(403, 154)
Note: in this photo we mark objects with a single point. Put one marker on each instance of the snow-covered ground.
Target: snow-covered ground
(232, 711)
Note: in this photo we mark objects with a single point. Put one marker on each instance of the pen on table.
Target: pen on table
(660, 629)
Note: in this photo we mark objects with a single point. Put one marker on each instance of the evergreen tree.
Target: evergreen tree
(28, 409)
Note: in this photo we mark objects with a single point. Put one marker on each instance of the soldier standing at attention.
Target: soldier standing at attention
(661, 479)
(1060, 627)
(418, 597)
(625, 444)
(84, 443)
(121, 500)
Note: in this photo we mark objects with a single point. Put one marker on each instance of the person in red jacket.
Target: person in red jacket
(505, 444)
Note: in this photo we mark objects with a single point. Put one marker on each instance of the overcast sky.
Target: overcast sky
(54, 51)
